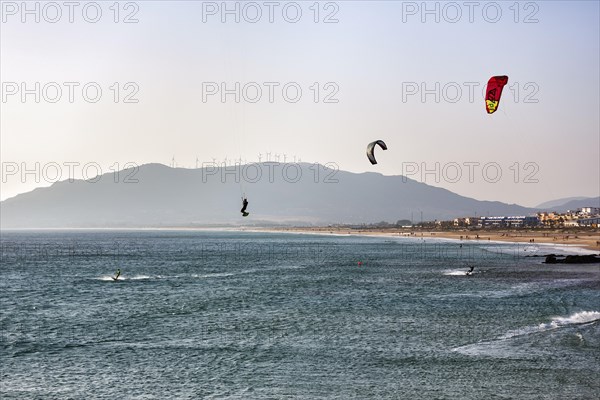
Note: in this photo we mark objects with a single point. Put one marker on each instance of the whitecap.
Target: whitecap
(456, 272)
(138, 277)
(494, 346)
(215, 275)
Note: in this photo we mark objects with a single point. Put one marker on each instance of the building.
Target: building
(468, 221)
(509, 222)
(589, 211)
(593, 222)
(570, 218)
(550, 219)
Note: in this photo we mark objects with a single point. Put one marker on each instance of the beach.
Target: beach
(588, 240)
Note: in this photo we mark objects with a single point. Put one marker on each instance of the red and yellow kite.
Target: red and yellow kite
(493, 92)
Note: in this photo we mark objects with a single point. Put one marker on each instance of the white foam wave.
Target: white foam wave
(215, 275)
(138, 277)
(497, 346)
(580, 318)
(508, 248)
(128, 278)
(525, 249)
(558, 322)
(456, 272)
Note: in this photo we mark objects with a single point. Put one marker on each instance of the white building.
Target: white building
(589, 211)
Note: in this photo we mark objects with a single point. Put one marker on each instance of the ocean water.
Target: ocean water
(243, 315)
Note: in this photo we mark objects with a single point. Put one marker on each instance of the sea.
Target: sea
(201, 314)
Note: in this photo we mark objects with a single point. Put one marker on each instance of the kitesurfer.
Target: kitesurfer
(244, 205)
(117, 274)
(470, 272)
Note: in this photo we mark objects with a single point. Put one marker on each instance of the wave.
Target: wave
(109, 278)
(457, 272)
(215, 275)
(521, 289)
(497, 346)
(130, 278)
(579, 318)
(524, 249)
(509, 249)
(138, 277)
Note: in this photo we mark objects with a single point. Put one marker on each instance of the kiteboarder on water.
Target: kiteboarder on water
(117, 274)
(470, 272)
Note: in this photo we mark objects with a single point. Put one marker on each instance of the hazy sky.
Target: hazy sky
(375, 61)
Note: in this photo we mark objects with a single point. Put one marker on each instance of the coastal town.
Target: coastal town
(581, 217)
(584, 217)
(580, 228)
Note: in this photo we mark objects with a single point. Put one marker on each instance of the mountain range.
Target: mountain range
(570, 203)
(154, 195)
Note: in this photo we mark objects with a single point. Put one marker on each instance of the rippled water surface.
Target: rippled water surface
(260, 315)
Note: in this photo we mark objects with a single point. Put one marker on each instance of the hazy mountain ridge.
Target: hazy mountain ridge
(569, 203)
(575, 204)
(164, 196)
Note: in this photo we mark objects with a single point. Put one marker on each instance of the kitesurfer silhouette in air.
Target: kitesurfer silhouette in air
(244, 205)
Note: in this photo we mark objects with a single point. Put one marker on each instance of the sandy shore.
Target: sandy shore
(589, 240)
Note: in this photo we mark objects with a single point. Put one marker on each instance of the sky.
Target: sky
(152, 81)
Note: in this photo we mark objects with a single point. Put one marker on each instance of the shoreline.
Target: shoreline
(588, 241)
